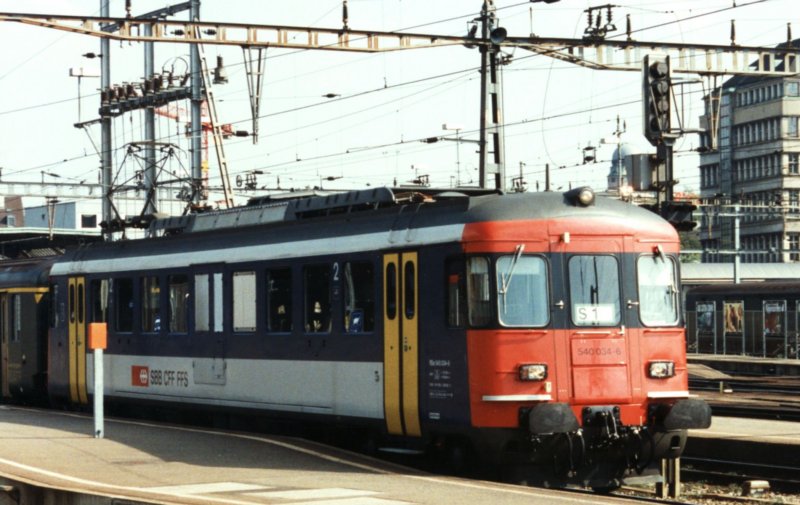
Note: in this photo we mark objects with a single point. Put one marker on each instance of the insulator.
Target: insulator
(628, 25)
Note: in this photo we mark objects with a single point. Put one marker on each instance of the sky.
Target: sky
(369, 133)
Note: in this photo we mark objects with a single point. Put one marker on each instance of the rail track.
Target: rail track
(750, 396)
(785, 479)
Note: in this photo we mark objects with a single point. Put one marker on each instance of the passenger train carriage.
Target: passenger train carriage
(541, 330)
(24, 303)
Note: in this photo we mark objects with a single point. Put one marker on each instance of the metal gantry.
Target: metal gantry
(598, 54)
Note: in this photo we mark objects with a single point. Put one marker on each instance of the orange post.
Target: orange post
(98, 335)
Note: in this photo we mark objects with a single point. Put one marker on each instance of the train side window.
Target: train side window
(218, 307)
(178, 285)
(151, 304)
(391, 291)
(71, 303)
(279, 300)
(16, 317)
(55, 301)
(202, 307)
(409, 289)
(478, 292)
(244, 301)
(123, 304)
(456, 294)
(658, 290)
(317, 298)
(99, 291)
(81, 303)
(522, 295)
(359, 297)
(594, 290)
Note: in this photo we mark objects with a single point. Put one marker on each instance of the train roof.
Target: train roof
(31, 272)
(348, 223)
(472, 204)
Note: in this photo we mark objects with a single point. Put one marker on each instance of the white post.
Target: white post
(98, 393)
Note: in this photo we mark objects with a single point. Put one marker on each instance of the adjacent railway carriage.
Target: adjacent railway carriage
(756, 319)
(540, 330)
(24, 303)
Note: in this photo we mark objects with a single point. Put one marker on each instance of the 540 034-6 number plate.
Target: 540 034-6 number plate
(599, 351)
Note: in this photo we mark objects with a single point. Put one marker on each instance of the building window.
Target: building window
(792, 88)
(791, 126)
(89, 221)
(794, 201)
(794, 163)
(794, 246)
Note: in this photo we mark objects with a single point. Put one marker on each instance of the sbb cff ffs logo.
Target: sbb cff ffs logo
(140, 376)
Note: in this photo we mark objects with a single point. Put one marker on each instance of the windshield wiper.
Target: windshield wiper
(507, 275)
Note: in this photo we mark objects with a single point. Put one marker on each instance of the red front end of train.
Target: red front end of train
(584, 346)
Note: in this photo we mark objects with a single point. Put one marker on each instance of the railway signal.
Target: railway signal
(656, 76)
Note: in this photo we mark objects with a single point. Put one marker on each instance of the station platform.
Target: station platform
(758, 442)
(745, 365)
(50, 457)
(46, 455)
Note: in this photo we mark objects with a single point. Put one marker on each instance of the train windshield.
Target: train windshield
(522, 297)
(594, 290)
(658, 290)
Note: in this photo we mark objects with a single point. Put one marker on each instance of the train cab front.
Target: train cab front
(587, 358)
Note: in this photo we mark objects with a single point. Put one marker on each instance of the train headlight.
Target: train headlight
(661, 369)
(586, 197)
(583, 196)
(533, 372)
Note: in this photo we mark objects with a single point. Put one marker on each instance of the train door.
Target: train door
(4, 339)
(209, 324)
(401, 343)
(590, 319)
(76, 322)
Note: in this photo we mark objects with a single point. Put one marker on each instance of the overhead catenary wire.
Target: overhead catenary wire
(323, 103)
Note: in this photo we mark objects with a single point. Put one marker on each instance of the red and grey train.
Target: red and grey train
(540, 330)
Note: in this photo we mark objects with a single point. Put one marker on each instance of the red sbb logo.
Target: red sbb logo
(140, 376)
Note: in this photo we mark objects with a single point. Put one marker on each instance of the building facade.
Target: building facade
(751, 169)
(73, 215)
